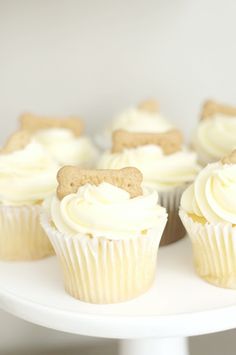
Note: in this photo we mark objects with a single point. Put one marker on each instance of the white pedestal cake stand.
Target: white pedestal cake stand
(178, 305)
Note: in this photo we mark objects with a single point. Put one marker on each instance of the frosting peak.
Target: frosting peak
(65, 148)
(212, 195)
(159, 171)
(27, 176)
(106, 211)
(136, 120)
(215, 136)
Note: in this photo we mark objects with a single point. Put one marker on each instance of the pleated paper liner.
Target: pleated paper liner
(99, 270)
(214, 250)
(174, 229)
(21, 235)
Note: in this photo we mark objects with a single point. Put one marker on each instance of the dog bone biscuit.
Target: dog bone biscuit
(151, 106)
(210, 108)
(70, 178)
(16, 141)
(169, 141)
(229, 159)
(34, 123)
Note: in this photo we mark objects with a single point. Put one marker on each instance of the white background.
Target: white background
(94, 58)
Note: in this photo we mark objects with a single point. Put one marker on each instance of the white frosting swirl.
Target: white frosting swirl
(215, 136)
(65, 148)
(159, 171)
(133, 120)
(106, 211)
(27, 176)
(136, 120)
(212, 195)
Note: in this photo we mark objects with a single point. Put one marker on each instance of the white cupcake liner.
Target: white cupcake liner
(21, 235)
(99, 270)
(214, 250)
(174, 229)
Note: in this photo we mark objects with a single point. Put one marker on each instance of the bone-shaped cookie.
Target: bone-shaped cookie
(169, 141)
(151, 106)
(230, 159)
(210, 108)
(33, 123)
(18, 140)
(70, 178)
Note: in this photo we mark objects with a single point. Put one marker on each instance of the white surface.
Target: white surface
(165, 346)
(179, 303)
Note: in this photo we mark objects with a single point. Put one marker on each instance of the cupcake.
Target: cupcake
(143, 118)
(215, 135)
(105, 231)
(208, 212)
(62, 138)
(27, 177)
(167, 167)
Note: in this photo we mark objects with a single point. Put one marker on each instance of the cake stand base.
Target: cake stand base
(178, 305)
(154, 346)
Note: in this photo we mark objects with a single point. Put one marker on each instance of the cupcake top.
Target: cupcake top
(215, 134)
(27, 172)
(62, 139)
(212, 195)
(143, 118)
(161, 169)
(65, 148)
(104, 209)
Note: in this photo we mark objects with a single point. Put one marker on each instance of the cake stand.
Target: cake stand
(178, 305)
